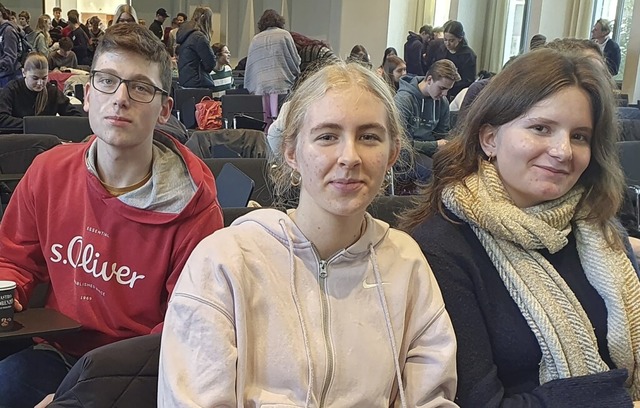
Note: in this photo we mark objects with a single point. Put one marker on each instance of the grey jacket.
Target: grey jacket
(425, 120)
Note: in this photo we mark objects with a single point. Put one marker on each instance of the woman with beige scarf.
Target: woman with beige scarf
(518, 226)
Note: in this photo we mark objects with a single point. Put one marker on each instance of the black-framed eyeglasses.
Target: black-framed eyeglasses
(138, 91)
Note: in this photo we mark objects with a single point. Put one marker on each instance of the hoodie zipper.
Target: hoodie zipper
(325, 331)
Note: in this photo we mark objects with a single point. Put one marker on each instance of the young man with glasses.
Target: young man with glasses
(109, 223)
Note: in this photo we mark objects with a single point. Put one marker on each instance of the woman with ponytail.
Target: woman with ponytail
(33, 95)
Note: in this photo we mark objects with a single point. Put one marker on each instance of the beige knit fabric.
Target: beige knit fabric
(513, 237)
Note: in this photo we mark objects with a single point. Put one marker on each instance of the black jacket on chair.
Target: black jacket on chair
(122, 374)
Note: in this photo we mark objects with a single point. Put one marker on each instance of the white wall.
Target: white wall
(553, 16)
(472, 14)
(401, 20)
(366, 23)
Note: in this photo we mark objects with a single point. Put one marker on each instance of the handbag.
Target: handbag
(209, 114)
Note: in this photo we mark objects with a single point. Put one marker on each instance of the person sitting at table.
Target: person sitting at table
(33, 95)
(108, 224)
(63, 57)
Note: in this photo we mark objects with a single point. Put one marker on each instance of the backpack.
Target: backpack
(24, 47)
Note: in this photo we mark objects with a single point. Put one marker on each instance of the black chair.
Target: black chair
(249, 105)
(629, 152)
(231, 213)
(256, 169)
(67, 128)
(17, 152)
(388, 208)
(185, 104)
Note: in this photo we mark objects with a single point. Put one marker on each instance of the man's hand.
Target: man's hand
(16, 305)
(442, 142)
(46, 401)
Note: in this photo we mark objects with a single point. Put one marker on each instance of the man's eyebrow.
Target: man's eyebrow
(136, 77)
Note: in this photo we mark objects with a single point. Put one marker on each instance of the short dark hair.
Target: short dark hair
(217, 48)
(270, 18)
(6, 13)
(138, 40)
(57, 9)
(426, 29)
(25, 14)
(184, 16)
(73, 12)
(73, 19)
(66, 44)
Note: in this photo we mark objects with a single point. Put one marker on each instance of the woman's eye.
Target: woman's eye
(539, 128)
(370, 137)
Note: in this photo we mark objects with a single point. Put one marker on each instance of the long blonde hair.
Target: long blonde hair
(202, 21)
(36, 60)
(43, 27)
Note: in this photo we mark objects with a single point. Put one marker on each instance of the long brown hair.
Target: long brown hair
(528, 80)
(36, 60)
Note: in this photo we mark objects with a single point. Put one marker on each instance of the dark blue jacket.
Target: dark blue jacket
(413, 54)
(9, 63)
(612, 56)
(195, 58)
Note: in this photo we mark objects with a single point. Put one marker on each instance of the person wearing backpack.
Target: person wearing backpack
(9, 49)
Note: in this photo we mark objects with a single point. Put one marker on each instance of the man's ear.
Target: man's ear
(87, 92)
(165, 111)
(487, 135)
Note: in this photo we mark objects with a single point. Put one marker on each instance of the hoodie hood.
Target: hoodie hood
(181, 185)
(282, 227)
(410, 85)
(413, 37)
(185, 31)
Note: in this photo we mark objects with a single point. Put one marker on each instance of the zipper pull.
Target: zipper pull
(323, 269)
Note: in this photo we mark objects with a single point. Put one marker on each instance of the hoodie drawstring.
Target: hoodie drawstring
(296, 301)
(387, 319)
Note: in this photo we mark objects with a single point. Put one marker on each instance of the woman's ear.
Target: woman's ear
(290, 155)
(395, 153)
(487, 135)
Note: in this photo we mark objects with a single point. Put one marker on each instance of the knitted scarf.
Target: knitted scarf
(513, 238)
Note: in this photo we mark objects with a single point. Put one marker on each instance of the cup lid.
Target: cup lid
(6, 285)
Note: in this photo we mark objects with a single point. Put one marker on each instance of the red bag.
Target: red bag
(209, 114)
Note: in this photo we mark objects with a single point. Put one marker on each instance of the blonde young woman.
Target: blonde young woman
(40, 39)
(323, 305)
(32, 95)
(518, 226)
(195, 56)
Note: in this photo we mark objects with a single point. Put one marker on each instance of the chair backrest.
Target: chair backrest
(629, 112)
(185, 104)
(387, 208)
(630, 161)
(17, 152)
(254, 168)
(233, 187)
(250, 105)
(67, 128)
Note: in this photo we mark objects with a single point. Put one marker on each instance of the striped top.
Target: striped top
(222, 80)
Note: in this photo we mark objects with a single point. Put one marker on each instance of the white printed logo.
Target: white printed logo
(372, 285)
(81, 255)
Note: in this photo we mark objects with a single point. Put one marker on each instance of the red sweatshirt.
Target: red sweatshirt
(111, 267)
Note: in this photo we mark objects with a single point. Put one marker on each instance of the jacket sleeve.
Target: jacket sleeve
(40, 45)
(478, 381)
(404, 105)
(444, 123)
(613, 58)
(207, 58)
(9, 50)
(429, 373)
(200, 313)
(293, 58)
(467, 71)
(7, 120)
(21, 256)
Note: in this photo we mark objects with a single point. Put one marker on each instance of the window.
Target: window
(517, 27)
(619, 12)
